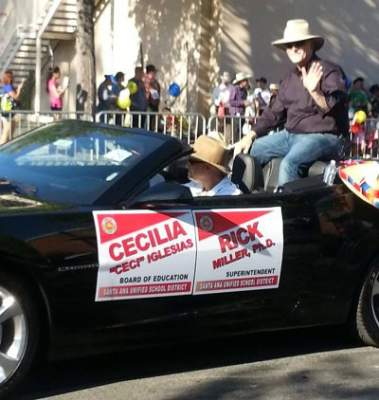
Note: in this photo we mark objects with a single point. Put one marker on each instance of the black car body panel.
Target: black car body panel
(330, 237)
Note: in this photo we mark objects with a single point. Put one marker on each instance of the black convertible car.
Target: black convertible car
(103, 248)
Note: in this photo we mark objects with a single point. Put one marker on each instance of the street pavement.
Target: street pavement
(298, 365)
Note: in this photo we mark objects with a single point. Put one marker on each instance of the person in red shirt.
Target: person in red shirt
(54, 89)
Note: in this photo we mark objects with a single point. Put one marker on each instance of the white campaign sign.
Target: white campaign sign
(178, 252)
(238, 249)
(144, 254)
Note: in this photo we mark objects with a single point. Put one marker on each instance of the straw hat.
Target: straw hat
(211, 151)
(241, 76)
(297, 30)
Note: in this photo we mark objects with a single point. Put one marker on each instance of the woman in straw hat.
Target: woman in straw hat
(238, 102)
(312, 99)
(208, 169)
(238, 94)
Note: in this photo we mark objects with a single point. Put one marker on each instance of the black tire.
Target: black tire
(19, 290)
(367, 315)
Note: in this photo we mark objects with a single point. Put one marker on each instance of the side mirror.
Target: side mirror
(163, 192)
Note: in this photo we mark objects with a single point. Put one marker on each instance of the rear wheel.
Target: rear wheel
(367, 317)
(19, 332)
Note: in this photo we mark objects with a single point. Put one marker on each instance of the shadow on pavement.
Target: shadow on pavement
(68, 376)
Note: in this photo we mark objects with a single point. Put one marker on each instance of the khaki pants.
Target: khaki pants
(8, 125)
(6, 130)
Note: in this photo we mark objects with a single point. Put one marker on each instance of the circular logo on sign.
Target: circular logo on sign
(206, 223)
(109, 225)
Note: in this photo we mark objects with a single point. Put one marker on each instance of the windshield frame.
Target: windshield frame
(84, 129)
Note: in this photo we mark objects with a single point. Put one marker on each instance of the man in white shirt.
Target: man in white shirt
(221, 94)
(208, 169)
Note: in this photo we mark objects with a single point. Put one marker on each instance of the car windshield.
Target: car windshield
(73, 162)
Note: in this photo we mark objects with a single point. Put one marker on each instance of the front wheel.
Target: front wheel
(367, 316)
(19, 332)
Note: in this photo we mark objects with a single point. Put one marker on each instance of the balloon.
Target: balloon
(123, 101)
(360, 117)
(174, 89)
(356, 128)
(124, 93)
(133, 88)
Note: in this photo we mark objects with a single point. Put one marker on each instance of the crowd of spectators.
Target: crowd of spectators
(242, 98)
(141, 93)
(239, 98)
(362, 99)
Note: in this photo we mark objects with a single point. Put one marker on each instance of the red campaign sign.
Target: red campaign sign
(213, 223)
(240, 242)
(144, 253)
(114, 225)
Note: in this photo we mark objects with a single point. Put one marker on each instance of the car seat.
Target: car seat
(247, 174)
(271, 172)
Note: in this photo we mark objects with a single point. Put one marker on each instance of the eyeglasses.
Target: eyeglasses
(295, 44)
(193, 161)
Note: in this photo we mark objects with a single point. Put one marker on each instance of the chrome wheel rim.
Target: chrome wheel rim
(374, 300)
(13, 334)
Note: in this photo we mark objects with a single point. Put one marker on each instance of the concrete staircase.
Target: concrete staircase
(57, 21)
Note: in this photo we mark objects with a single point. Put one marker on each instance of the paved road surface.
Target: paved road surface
(300, 365)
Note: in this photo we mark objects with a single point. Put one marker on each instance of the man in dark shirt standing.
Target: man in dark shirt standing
(238, 102)
(153, 95)
(311, 100)
(139, 99)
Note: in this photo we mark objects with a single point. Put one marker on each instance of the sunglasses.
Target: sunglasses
(193, 162)
(295, 44)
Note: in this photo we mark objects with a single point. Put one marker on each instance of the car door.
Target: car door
(158, 303)
(265, 308)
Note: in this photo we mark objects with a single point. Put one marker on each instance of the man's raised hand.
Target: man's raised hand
(312, 78)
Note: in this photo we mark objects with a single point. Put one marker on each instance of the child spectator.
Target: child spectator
(358, 98)
(261, 95)
(9, 100)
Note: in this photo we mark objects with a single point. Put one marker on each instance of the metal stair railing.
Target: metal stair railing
(21, 23)
(43, 17)
(14, 45)
(49, 18)
(45, 22)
